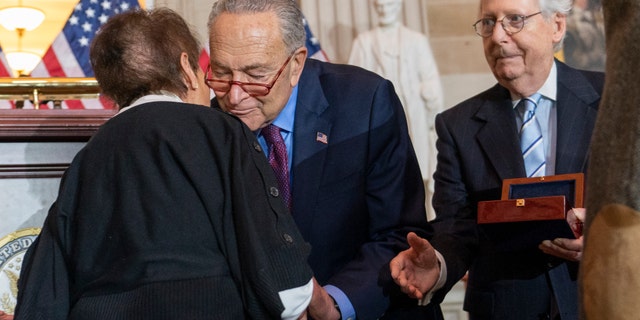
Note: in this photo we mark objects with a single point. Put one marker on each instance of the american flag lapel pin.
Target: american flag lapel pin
(321, 137)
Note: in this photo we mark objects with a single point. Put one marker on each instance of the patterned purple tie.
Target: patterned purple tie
(278, 160)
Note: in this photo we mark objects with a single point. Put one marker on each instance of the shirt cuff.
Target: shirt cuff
(296, 300)
(442, 279)
(346, 308)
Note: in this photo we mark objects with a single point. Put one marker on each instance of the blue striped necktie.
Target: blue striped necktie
(531, 137)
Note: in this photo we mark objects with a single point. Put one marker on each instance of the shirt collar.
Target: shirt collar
(162, 95)
(549, 89)
(286, 117)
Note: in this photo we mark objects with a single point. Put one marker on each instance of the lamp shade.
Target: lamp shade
(22, 62)
(27, 18)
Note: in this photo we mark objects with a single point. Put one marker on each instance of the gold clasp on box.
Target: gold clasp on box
(519, 202)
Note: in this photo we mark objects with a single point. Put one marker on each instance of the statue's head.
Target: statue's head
(388, 11)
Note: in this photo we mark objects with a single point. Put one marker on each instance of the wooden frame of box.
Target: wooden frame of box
(533, 199)
(531, 210)
(570, 185)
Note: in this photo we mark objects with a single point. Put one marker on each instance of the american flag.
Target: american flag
(313, 45)
(68, 56)
(5, 71)
(321, 137)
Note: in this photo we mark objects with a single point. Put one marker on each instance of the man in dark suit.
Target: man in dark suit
(352, 179)
(479, 146)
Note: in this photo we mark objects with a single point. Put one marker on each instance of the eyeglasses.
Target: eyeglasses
(511, 23)
(252, 88)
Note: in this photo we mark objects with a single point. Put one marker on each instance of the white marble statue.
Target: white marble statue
(404, 56)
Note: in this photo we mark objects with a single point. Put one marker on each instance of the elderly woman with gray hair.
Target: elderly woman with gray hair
(171, 209)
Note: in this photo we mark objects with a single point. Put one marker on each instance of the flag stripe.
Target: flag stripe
(74, 104)
(50, 66)
(5, 70)
(62, 67)
(204, 59)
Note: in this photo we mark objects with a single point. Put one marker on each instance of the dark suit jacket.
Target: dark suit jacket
(356, 197)
(478, 147)
(165, 214)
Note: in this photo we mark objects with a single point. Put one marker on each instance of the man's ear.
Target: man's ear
(297, 64)
(560, 27)
(190, 78)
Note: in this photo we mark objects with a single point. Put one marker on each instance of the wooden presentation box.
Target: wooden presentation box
(532, 210)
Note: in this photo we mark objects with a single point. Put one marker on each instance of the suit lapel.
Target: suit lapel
(576, 119)
(309, 151)
(498, 137)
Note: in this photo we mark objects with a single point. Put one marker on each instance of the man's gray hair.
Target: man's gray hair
(549, 7)
(287, 11)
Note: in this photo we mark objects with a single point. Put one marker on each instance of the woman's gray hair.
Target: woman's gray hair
(287, 11)
(138, 52)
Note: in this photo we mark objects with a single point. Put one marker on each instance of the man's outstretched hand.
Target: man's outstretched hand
(416, 270)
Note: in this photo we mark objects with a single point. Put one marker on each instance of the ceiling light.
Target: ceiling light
(22, 62)
(19, 17)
